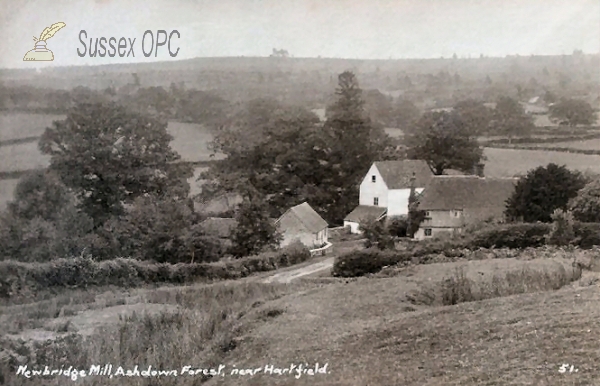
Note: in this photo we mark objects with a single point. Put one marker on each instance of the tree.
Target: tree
(586, 205)
(376, 235)
(415, 215)
(572, 112)
(475, 115)
(378, 107)
(350, 143)
(405, 114)
(509, 118)
(161, 230)
(444, 141)
(109, 156)
(255, 230)
(289, 158)
(42, 222)
(541, 191)
(40, 194)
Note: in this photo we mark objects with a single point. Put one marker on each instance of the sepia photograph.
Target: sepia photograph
(300, 192)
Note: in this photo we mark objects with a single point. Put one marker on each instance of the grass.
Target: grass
(366, 330)
(458, 288)
(588, 144)
(201, 329)
(511, 162)
(17, 125)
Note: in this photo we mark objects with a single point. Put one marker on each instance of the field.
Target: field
(511, 162)
(23, 125)
(588, 144)
(367, 330)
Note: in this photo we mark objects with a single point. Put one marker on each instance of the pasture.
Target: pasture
(16, 125)
(588, 144)
(512, 162)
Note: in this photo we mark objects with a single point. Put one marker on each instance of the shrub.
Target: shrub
(561, 232)
(398, 226)
(23, 279)
(359, 263)
(516, 236)
(376, 235)
(587, 235)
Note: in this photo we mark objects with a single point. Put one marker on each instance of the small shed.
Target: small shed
(302, 223)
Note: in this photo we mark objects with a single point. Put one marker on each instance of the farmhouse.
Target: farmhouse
(453, 202)
(302, 223)
(385, 190)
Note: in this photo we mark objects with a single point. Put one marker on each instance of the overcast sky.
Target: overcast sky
(367, 29)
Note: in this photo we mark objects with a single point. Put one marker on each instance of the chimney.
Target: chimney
(478, 170)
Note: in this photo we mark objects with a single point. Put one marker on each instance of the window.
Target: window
(373, 178)
(427, 214)
(456, 213)
(376, 201)
(428, 232)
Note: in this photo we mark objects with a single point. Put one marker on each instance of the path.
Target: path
(339, 248)
(288, 276)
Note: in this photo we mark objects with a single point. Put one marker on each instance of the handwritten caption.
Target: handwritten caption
(110, 371)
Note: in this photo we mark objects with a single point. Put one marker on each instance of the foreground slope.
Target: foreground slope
(370, 334)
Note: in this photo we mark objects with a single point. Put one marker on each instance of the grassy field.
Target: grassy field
(588, 144)
(190, 141)
(21, 125)
(368, 331)
(511, 162)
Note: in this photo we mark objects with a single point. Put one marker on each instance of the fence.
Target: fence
(323, 250)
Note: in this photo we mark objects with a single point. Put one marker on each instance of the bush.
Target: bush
(516, 236)
(587, 235)
(398, 227)
(25, 279)
(359, 263)
(561, 232)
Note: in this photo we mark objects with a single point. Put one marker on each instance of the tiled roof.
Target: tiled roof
(467, 192)
(307, 215)
(365, 213)
(397, 174)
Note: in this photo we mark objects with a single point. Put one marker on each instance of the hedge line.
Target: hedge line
(567, 138)
(25, 279)
(512, 236)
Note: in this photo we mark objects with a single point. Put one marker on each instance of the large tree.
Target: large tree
(288, 157)
(110, 156)
(444, 141)
(543, 190)
(510, 119)
(572, 112)
(475, 115)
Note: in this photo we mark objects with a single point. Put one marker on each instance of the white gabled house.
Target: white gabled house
(385, 190)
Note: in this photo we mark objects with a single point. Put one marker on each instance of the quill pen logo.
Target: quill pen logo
(40, 53)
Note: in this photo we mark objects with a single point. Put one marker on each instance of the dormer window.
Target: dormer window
(373, 178)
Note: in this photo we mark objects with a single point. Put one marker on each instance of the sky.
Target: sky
(364, 29)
